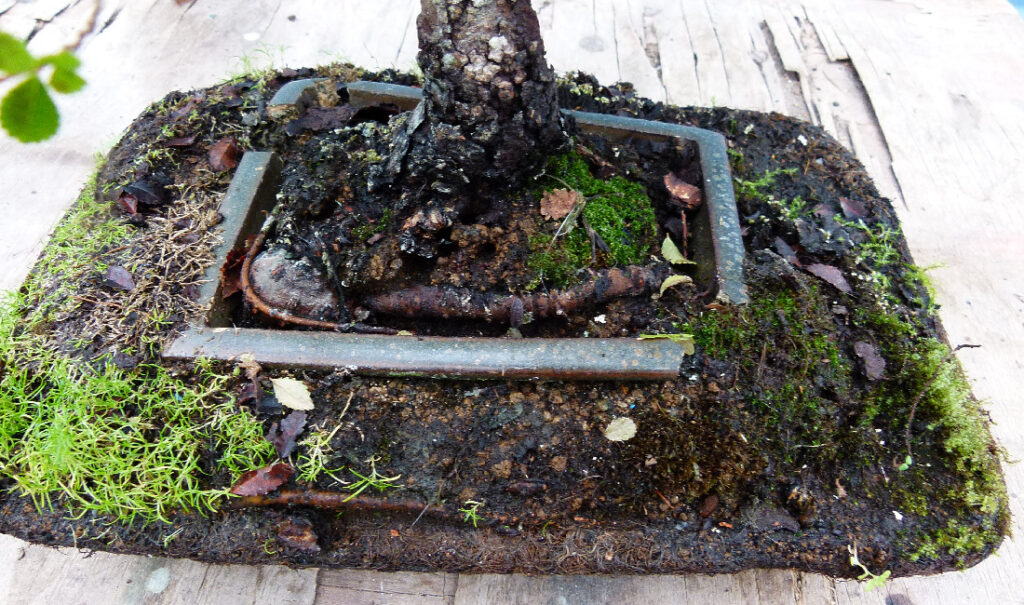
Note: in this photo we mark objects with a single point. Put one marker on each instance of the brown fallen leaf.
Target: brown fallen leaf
(180, 141)
(852, 208)
(128, 202)
(830, 274)
(283, 437)
(319, 119)
(874, 364)
(263, 480)
(247, 363)
(231, 273)
(557, 203)
(118, 278)
(683, 193)
(786, 252)
(709, 505)
(250, 393)
(224, 154)
(148, 192)
(526, 488)
(297, 533)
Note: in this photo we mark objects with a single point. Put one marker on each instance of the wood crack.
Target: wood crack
(405, 34)
(110, 20)
(652, 45)
(721, 49)
(615, 41)
(696, 60)
(41, 23)
(789, 77)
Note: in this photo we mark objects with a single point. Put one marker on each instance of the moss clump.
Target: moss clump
(89, 229)
(127, 444)
(785, 346)
(368, 228)
(130, 444)
(618, 210)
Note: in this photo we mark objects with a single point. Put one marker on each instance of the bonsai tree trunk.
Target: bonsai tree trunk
(488, 119)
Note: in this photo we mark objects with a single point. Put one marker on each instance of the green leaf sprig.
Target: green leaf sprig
(27, 111)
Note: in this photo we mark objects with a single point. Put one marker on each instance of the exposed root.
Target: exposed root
(329, 500)
(283, 316)
(447, 303)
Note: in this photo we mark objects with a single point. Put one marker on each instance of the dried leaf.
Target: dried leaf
(852, 208)
(526, 488)
(292, 393)
(148, 192)
(231, 273)
(683, 193)
(283, 438)
(620, 429)
(674, 280)
(874, 364)
(709, 505)
(324, 118)
(786, 251)
(672, 254)
(557, 203)
(247, 363)
(128, 203)
(250, 393)
(224, 154)
(680, 339)
(830, 274)
(297, 533)
(119, 278)
(263, 480)
(180, 141)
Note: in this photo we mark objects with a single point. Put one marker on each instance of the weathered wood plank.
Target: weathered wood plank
(358, 587)
(750, 587)
(32, 574)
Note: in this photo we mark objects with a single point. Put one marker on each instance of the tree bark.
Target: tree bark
(489, 115)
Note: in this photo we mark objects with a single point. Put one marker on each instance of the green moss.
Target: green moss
(757, 189)
(89, 229)
(618, 210)
(789, 339)
(364, 230)
(957, 540)
(126, 444)
(129, 444)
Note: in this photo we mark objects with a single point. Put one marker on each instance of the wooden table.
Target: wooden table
(929, 94)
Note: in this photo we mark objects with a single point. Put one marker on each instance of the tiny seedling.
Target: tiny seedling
(871, 580)
(374, 480)
(471, 511)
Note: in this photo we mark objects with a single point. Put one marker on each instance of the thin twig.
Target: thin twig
(924, 389)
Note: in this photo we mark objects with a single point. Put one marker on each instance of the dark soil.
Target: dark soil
(779, 445)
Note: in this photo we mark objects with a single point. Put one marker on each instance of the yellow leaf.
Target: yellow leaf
(672, 253)
(686, 340)
(292, 393)
(620, 429)
(674, 280)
